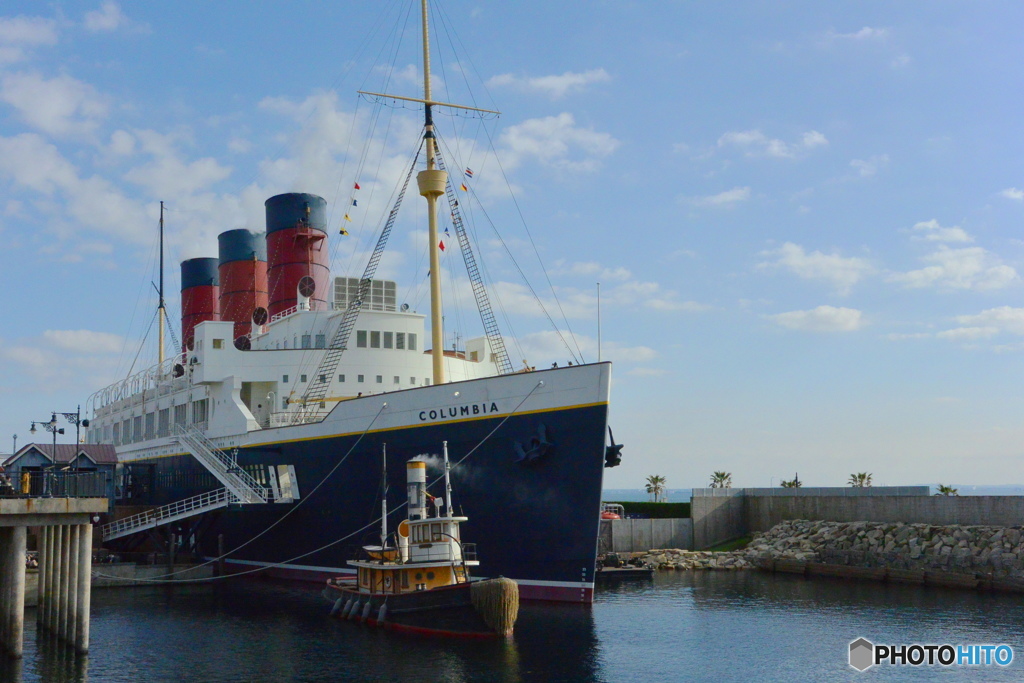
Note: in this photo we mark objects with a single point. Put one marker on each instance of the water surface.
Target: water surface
(716, 626)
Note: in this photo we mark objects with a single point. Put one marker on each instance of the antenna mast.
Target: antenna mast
(384, 499)
(161, 308)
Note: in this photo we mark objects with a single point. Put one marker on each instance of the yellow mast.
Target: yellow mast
(431, 183)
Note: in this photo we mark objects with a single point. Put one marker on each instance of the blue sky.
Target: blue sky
(805, 217)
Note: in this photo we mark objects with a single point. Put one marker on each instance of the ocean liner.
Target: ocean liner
(263, 432)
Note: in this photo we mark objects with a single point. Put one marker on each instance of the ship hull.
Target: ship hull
(527, 455)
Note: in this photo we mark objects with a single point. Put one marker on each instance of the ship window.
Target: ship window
(360, 378)
(374, 340)
(321, 341)
(380, 379)
(405, 579)
(284, 403)
(396, 379)
(474, 356)
(412, 381)
(302, 378)
(400, 340)
(307, 341)
(435, 532)
(284, 379)
(286, 344)
(361, 339)
(323, 379)
(412, 341)
(218, 343)
(426, 381)
(389, 339)
(341, 378)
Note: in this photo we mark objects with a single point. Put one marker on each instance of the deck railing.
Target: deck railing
(55, 484)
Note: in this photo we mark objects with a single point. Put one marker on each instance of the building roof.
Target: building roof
(100, 453)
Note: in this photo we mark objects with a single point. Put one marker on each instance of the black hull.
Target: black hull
(446, 612)
(533, 520)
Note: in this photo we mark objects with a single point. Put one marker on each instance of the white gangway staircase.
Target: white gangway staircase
(239, 488)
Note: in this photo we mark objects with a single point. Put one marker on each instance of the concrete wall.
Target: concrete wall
(641, 535)
(764, 512)
(718, 518)
(730, 513)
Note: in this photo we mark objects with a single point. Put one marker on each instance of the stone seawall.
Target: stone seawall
(983, 552)
(989, 550)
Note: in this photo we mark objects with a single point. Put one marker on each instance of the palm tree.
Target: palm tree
(721, 480)
(795, 483)
(656, 487)
(947, 491)
(860, 480)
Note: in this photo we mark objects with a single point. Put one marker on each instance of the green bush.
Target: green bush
(655, 510)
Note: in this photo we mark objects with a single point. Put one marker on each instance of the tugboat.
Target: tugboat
(424, 585)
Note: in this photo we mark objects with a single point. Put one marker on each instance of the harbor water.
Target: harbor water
(716, 626)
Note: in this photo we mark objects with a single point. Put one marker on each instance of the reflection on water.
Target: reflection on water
(717, 626)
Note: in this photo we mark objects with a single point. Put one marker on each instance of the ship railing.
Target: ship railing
(222, 466)
(172, 512)
(284, 314)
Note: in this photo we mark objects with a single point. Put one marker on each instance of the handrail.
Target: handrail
(242, 484)
(170, 512)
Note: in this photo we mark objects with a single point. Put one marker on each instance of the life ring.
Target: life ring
(387, 581)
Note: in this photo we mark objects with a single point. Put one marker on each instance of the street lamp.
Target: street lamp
(51, 427)
(75, 418)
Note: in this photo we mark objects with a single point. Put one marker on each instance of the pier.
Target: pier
(65, 567)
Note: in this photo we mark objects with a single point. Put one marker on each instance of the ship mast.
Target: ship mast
(432, 183)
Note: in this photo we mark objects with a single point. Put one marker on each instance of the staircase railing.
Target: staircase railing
(165, 514)
(222, 466)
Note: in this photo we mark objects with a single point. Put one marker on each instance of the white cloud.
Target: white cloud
(32, 163)
(108, 18)
(841, 272)
(1004, 318)
(122, 143)
(558, 142)
(821, 319)
(933, 232)
(1013, 193)
(169, 176)
(85, 341)
(867, 33)
(869, 167)
(968, 268)
(554, 87)
(756, 143)
(61, 106)
(899, 336)
(593, 269)
(727, 198)
(19, 33)
(969, 333)
(543, 348)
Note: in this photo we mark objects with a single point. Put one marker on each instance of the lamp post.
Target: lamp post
(75, 418)
(51, 427)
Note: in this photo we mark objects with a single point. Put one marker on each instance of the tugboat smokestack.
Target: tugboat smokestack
(416, 479)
